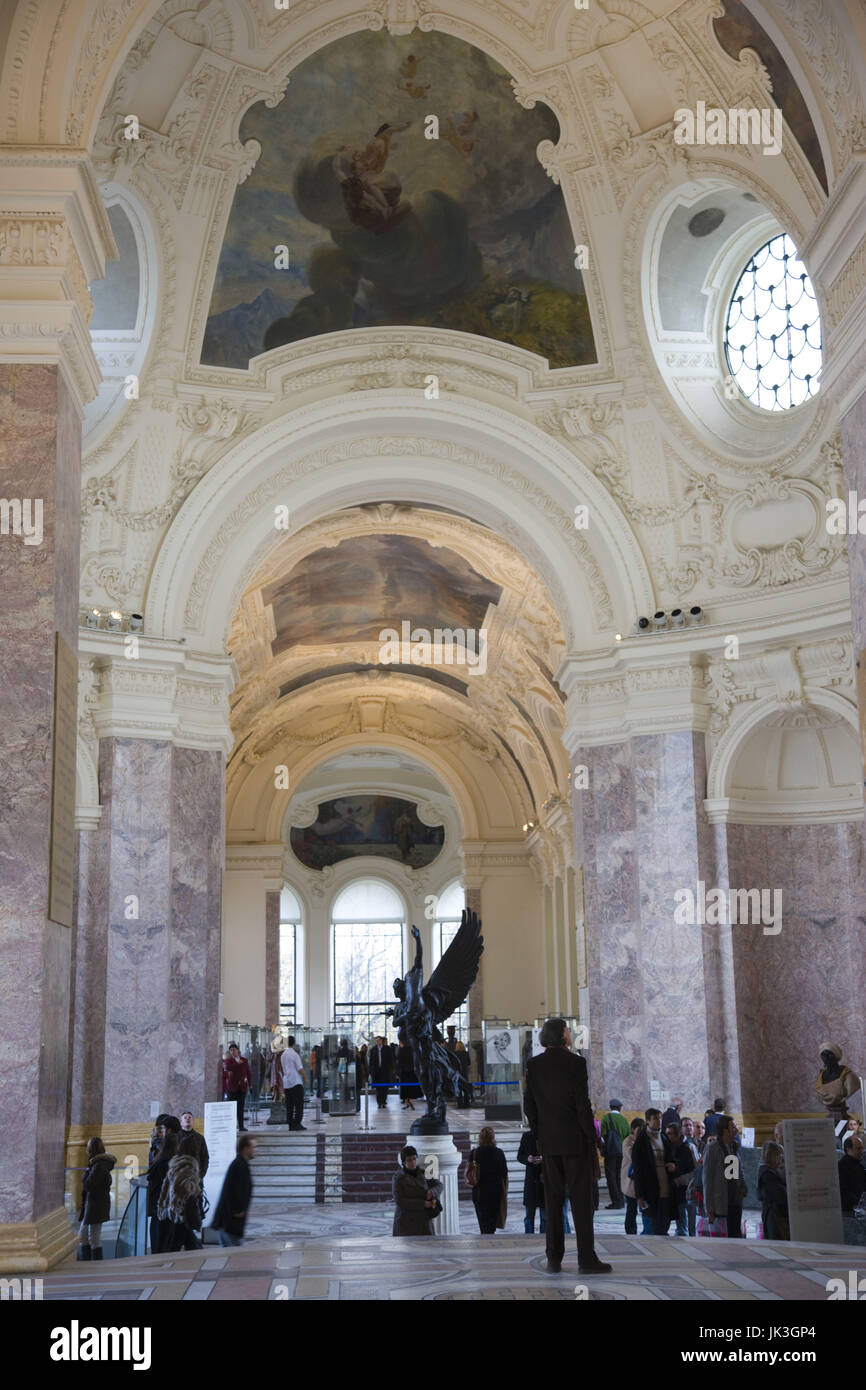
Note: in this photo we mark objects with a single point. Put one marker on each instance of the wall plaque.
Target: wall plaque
(62, 851)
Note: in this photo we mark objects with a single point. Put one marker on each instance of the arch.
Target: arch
(480, 462)
(731, 743)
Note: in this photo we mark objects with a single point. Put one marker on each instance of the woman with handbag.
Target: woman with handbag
(487, 1175)
(416, 1198)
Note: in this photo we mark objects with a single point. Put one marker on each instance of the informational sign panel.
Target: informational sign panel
(812, 1175)
(221, 1137)
(65, 746)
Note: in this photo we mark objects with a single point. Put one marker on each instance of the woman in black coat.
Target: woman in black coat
(490, 1192)
(156, 1175)
(95, 1200)
(533, 1186)
(773, 1193)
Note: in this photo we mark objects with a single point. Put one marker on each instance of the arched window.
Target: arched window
(773, 332)
(290, 921)
(368, 921)
(448, 909)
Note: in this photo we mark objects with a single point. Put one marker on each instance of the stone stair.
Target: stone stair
(300, 1168)
(287, 1166)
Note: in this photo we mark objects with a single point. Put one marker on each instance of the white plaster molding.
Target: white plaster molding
(733, 811)
(166, 692)
(836, 253)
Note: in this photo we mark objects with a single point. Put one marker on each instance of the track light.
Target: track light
(641, 624)
(678, 617)
(660, 621)
(115, 621)
(136, 622)
(696, 616)
(92, 619)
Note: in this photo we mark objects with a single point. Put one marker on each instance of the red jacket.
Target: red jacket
(236, 1075)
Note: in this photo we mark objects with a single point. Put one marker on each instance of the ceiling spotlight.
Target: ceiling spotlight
(617, 637)
(696, 616)
(92, 619)
(136, 622)
(660, 621)
(678, 617)
(115, 621)
(641, 624)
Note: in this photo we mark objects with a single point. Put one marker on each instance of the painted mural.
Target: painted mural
(350, 592)
(738, 29)
(384, 826)
(384, 226)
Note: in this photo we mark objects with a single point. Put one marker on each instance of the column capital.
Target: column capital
(166, 692)
(644, 688)
(835, 253)
(55, 238)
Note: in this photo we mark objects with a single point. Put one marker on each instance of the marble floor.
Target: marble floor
(345, 1252)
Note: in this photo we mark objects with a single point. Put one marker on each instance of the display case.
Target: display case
(338, 1069)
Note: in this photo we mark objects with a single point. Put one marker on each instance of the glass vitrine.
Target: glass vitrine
(339, 1081)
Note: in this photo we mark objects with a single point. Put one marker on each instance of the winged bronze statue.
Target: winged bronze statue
(422, 1007)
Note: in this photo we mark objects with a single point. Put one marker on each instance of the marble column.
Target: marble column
(272, 958)
(87, 1010)
(40, 448)
(641, 834)
(197, 862)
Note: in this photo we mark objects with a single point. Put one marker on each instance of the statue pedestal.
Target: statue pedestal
(448, 1159)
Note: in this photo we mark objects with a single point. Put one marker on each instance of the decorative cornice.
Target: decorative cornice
(165, 692)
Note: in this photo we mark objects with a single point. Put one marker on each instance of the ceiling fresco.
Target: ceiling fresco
(385, 226)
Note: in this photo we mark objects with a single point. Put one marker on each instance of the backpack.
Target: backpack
(613, 1143)
(472, 1173)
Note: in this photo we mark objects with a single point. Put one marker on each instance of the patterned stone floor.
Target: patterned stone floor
(336, 1253)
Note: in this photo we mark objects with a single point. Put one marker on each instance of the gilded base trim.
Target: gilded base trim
(29, 1247)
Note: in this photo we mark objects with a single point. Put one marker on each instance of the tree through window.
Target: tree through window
(368, 921)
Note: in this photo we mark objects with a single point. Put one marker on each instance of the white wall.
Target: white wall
(244, 945)
(513, 961)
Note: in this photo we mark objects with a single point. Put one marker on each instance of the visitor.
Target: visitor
(654, 1169)
(230, 1217)
(614, 1132)
(416, 1198)
(381, 1070)
(236, 1080)
(626, 1177)
(559, 1113)
(362, 1067)
(533, 1188)
(490, 1192)
(179, 1205)
(408, 1081)
(672, 1114)
(724, 1185)
(95, 1200)
(684, 1166)
(316, 1070)
(852, 1175)
(191, 1142)
(155, 1177)
(700, 1135)
(773, 1193)
(690, 1137)
(293, 1085)
(156, 1137)
(712, 1117)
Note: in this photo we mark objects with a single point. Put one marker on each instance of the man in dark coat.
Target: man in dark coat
(191, 1142)
(381, 1070)
(533, 1187)
(852, 1176)
(652, 1162)
(236, 1193)
(559, 1114)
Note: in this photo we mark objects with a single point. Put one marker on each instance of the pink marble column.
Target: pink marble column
(147, 962)
(654, 986)
(197, 861)
(40, 450)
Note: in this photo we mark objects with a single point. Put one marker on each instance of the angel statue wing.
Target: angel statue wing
(455, 974)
